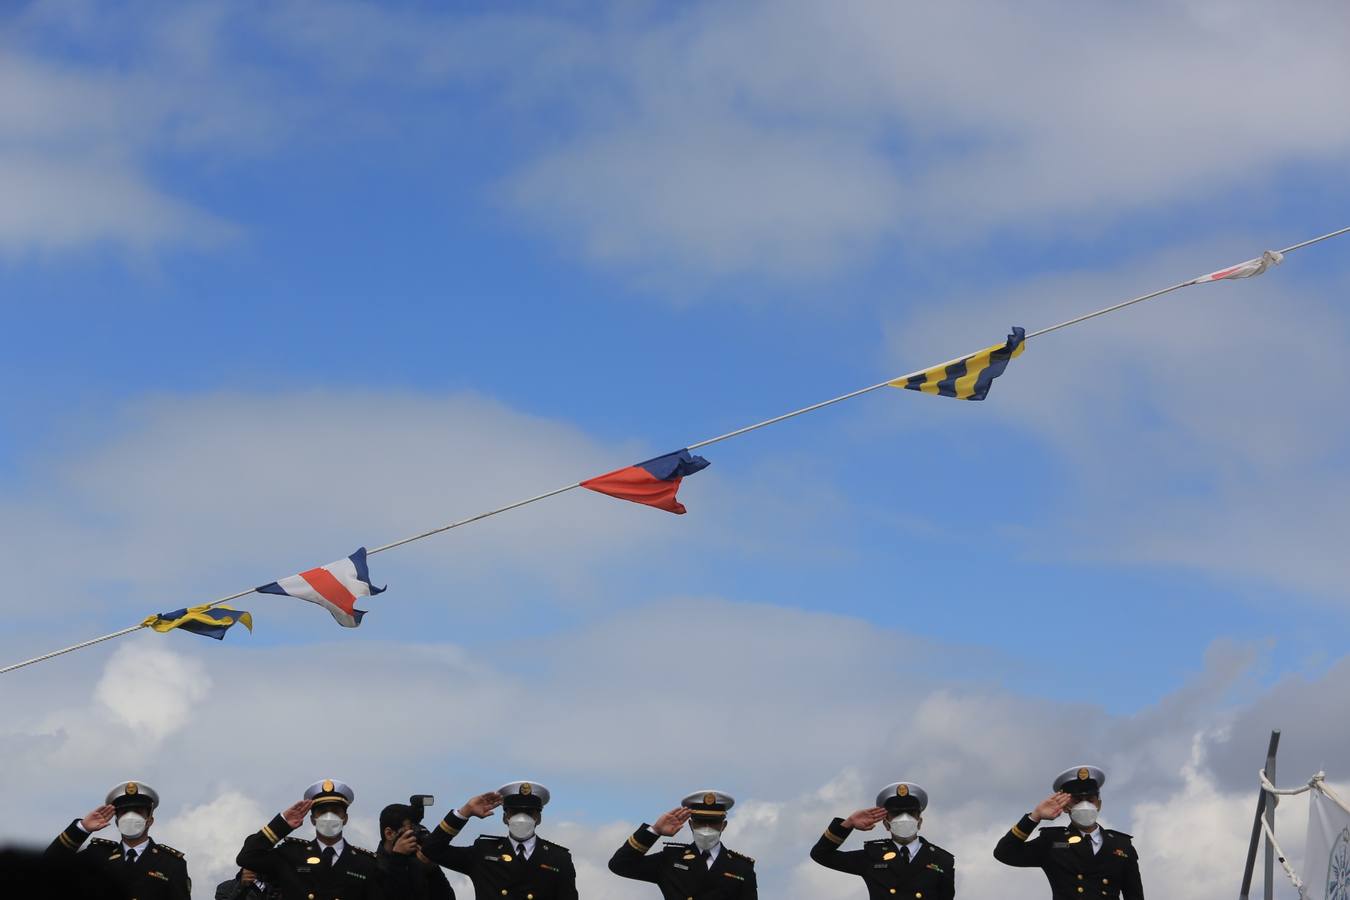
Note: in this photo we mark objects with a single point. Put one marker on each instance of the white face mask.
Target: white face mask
(705, 838)
(904, 827)
(521, 826)
(328, 824)
(132, 825)
(1084, 814)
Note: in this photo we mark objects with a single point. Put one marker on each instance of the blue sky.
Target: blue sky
(285, 279)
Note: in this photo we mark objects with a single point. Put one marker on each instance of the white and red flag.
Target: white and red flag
(1244, 269)
(335, 587)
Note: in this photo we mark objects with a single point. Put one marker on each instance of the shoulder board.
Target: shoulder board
(737, 855)
(169, 850)
(102, 842)
(363, 851)
(874, 843)
(675, 845)
(294, 840)
(1053, 829)
(1121, 834)
(549, 845)
(939, 850)
(495, 838)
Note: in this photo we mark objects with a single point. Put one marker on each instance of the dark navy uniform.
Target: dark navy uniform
(1066, 853)
(495, 864)
(158, 871)
(915, 869)
(682, 871)
(890, 873)
(300, 868)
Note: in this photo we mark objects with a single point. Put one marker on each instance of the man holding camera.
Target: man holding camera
(521, 866)
(408, 873)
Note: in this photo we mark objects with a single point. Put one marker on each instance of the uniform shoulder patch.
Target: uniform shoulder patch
(739, 855)
(549, 845)
(675, 845)
(102, 842)
(1053, 830)
(489, 839)
(363, 851)
(169, 850)
(1120, 834)
(294, 840)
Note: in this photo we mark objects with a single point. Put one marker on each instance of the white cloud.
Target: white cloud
(177, 682)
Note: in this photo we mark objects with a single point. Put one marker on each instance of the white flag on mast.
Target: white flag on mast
(1327, 863)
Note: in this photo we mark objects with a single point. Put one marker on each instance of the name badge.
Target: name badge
(681, 866)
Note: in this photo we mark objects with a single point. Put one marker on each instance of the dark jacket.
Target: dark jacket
(495, 870)
(930, 873)
(235, 889)
(1073, 870)
(294, 866)
(159, 872)
(677, 870)
(406, 876)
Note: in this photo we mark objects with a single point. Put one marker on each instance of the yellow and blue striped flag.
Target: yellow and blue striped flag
(969, 378)
(208, 621)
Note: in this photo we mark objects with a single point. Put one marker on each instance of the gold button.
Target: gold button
(1080, 889)
(503, 892)
(1080, 876)
(1106, 881)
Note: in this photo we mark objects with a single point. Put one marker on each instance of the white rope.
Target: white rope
(1284, 863)
(704, 443)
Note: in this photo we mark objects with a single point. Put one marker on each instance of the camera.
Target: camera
(419, 804)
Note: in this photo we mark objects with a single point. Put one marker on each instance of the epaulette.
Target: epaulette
(102, 842)
(879, 841)
(549, 845)
(1053, 829)
(363, 851)
(489, 837)
(169, 850)
(1128, 837)
(295, 840)
(675, 845)
(738, 855)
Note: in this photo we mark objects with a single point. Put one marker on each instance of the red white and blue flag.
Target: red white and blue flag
(651, 483)
(335, 587)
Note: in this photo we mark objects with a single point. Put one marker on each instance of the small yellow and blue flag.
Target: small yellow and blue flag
(968, 378)
(208, 621)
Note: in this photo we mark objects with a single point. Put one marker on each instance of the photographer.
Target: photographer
(407, 872)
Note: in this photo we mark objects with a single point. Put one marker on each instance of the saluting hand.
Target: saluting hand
(865, 819)
(481, 806)
(98, 819)
(670, 823)
(295, 815)
(1051, 807)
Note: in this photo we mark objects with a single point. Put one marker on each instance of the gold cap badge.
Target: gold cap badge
(888, 855)
(132, 788)
(327, 786)
(525, 789)
(1083, 774)
(902, 791)
(710, 798)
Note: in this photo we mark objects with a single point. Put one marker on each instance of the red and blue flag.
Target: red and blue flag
(651, 483)
(335, 587)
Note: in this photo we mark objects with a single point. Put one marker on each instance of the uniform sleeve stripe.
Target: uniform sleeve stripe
(833, 837)
(65, 839)
(1019, 833)
(633, 842)
(270, 834)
